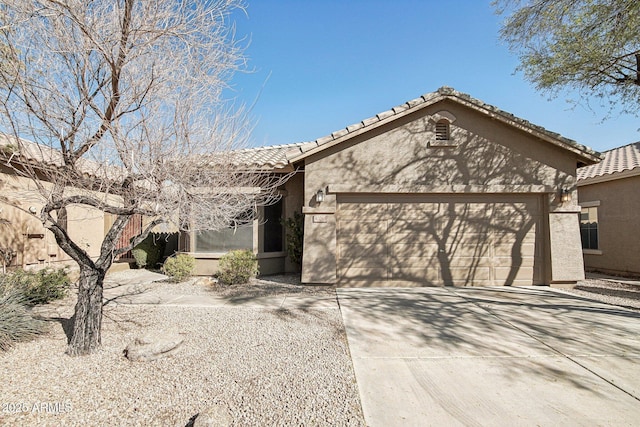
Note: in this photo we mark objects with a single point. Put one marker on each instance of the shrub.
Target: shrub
(295, 237)
(148, 252)
(16, 321)
(50, 285)
(38, 287)
(237, 267)
(179, 267)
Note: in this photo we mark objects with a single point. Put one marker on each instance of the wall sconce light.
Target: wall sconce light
(33, 210)
(565, 195)
(320, 196)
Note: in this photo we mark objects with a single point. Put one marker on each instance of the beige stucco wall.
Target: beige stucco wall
(24, 233)
(490, 157)
(618, 225)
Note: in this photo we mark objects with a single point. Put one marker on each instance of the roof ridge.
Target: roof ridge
(622, 146)
(270, 147)
(432, 97)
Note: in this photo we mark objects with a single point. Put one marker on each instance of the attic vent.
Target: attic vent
(442, 130)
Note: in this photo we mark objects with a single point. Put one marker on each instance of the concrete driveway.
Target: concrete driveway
(501, 356)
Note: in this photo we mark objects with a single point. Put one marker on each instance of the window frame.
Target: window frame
(593, 224)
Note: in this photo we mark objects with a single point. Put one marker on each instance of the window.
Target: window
(273, 227)
(225, 240)
(589, 227)
(442, 130)
(239, 235)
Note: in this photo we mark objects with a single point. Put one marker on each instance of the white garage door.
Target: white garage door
(439, 240)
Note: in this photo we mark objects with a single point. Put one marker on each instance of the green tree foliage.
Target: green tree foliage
(589, 45)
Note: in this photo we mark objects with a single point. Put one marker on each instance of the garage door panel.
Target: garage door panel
(518, 274)
(508, 261)
(375, 253)
(351, 227)
(364, 273)
(372, 211)
(469, 250)
(487, 243)
(468, 262)
(411, 211)
(416, 237)
(405, 250)
(349, 239)
(429, 275)
(414, 262)
(507, 250)
(405, 226)
(460, 274)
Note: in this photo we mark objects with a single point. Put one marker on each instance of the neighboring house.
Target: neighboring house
(609, 197)
(24, 241)
(441, 190)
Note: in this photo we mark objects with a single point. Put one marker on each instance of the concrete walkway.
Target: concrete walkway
(462, 356)
(493, 357)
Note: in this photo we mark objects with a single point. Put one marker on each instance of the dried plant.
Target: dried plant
(118, 105)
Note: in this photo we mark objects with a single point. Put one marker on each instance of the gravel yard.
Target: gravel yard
(609, 292)
(262, 366)
(258, 365)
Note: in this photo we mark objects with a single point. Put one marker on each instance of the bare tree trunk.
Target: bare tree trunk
(87, 318)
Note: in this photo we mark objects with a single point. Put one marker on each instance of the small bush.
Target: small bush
(179, 267)
(148, 252)
(16, 321)
(237, 267)
(295, 237)
(36, 287)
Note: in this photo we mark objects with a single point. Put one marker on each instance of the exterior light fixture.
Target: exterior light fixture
(33, 210)
(320, 196)
(565, 195)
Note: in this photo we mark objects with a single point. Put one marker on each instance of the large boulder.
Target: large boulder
(150, 347)
(216, 415)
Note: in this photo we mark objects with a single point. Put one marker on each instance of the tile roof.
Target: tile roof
(615, 161)
(269, 157)
(22, 150)
(302, 150)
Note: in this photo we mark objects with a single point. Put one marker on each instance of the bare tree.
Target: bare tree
(122, 102)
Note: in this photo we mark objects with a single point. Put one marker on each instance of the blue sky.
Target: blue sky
(320, 65)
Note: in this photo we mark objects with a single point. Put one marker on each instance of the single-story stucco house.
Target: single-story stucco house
(609, 197)
(441, 190)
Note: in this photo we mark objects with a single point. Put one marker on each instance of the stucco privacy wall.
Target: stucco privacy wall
(618, 225)
(484, 156)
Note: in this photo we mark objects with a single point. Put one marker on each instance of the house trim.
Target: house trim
(440, 189)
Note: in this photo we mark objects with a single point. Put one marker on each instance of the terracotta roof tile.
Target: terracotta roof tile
(272, 157)
(615, 161)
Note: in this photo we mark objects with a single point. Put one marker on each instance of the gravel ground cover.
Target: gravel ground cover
(609, 292)
(262, 366)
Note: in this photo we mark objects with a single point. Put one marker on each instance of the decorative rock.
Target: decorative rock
(216, 415)
(150, 348)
